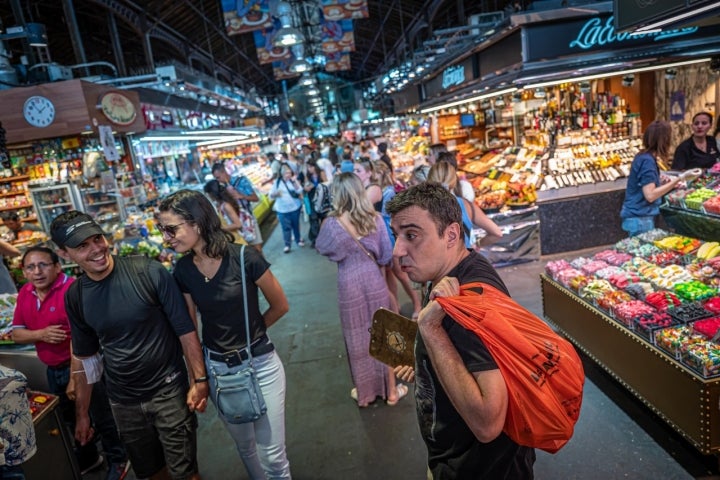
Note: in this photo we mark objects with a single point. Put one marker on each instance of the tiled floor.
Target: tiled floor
(328, 437)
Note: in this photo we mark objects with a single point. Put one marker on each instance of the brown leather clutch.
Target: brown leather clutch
(392, 338)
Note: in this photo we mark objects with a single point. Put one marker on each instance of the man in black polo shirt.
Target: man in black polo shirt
(460, 394)
(133, 311)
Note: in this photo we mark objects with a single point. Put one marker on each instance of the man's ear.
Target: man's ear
(453, 234)
(62, 253)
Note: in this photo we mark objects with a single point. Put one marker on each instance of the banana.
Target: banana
(714, 252)
(705, 248)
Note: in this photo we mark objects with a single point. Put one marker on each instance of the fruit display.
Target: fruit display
(708, 250)
(678, 243)
(712, 205)
(695, 198)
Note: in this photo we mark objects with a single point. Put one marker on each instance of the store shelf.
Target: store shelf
(13, 194)
(14, 179)
(679, 395)
(4, 209)
(104, 202)
(56, 205)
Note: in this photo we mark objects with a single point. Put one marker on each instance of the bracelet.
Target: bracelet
(201, 380)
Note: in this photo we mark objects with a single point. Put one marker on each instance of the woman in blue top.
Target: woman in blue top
(645, 185)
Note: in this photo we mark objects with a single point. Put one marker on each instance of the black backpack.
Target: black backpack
(322, 203)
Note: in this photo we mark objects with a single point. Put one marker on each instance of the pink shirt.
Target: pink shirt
(33, 314)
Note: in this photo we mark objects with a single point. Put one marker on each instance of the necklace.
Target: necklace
(206, 279)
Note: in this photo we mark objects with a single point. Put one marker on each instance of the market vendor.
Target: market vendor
(701, 149)
(18, 226)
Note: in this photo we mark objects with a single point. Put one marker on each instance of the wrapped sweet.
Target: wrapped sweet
(687, 312)
(608, 272)
(654, 235)
(676, 340)
(556, 266)
(708, 327)
(628, 244)
(645, 250)
(678, 243)
(593, 266)
(596, 289)
(623, 278)
(612, 257)
(612, 298)
(566, 275)
(648, 323)
(703, 357)
(694, 290)
(713, 305)
(578, 282)
(663, 300)
(579, 262)
(668, 276)
(639, 290)
(628, 311)
(665, 258)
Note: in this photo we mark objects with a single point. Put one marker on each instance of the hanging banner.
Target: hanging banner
(335, 10)
(107, 140)
(242, 16)
(677, 106)
(337, 62)
(264, 44)
(337, 37)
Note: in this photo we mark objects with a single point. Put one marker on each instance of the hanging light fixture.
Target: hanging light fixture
(313, 92)
(288, 35)
(306, 80)
(300, 66)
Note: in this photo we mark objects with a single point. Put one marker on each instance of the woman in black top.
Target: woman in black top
(210, 277)
(700, 150)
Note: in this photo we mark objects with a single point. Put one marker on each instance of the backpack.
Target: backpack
(322, 202)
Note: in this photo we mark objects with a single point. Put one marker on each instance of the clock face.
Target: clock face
(39, 111)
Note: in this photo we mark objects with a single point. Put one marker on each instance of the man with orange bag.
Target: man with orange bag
(461, 396)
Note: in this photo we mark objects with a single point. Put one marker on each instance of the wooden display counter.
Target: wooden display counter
(680, 396)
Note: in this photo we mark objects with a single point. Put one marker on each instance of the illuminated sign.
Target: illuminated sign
(597, 33)
(453, 76)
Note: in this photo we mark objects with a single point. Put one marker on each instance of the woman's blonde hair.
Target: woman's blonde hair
(383, 175)
(445, 174)
(348, 194)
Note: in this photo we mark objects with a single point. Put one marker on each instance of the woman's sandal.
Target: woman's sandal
(402, 390)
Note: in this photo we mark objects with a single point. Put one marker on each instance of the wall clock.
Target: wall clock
(39, 111)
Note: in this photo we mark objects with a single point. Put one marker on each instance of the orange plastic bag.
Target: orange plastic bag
(542, 370)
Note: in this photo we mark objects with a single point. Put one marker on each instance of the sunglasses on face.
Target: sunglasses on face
(169, 230)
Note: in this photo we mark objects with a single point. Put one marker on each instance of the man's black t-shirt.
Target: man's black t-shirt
(220, 300)
(141, 349)
(453, 450)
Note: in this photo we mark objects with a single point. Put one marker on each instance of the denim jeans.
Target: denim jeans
(290, 223)
(100, 414)
(637, 225)
(261, 444)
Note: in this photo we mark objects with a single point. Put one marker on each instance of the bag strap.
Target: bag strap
(245, 302)
(362, 247)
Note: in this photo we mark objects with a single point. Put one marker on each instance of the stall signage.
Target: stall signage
(596, 32)
(453, 76)
(118, 108)
(450, 78)
(547, 41)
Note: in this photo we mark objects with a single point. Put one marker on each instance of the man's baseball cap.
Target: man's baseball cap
(76, 231)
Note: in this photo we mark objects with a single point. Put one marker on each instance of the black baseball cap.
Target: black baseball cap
(76, 231)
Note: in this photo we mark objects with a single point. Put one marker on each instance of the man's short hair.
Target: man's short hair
(12, 216)
(40, 249)
(442, 205)
(218, 167)
(71, 228)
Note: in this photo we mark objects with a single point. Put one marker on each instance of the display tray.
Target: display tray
(681, 395)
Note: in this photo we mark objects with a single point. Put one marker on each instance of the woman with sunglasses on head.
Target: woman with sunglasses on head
(210, 278)
(701, 149)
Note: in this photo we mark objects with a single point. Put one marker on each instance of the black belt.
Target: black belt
(61, 366)
(259, 347)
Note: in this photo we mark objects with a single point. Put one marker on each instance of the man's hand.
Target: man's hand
(405, 373)
(70, 390)
(431, 316)
(83, 430)
(197, 397)
(53, 334)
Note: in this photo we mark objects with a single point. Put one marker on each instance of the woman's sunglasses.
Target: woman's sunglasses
(169, 230)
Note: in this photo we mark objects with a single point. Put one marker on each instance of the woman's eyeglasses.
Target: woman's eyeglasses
(40, 266)
(169, 230)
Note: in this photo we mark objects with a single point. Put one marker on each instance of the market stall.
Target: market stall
(647, 312)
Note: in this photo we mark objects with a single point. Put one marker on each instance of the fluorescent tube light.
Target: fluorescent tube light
(468, 100)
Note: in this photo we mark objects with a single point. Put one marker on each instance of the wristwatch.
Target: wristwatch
(201, 380)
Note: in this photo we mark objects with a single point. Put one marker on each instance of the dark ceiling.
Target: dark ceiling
(191, 32)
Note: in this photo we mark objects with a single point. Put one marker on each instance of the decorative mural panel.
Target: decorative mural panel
(337, 62)
(335, 10)
(242, 16)
(337, 37)
(264, 44)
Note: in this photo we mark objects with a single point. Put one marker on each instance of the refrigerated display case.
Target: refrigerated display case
(52, 200)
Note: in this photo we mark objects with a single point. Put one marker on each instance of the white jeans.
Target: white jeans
(261, 444)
